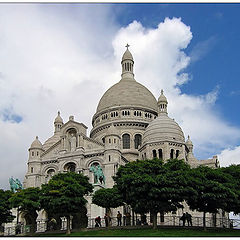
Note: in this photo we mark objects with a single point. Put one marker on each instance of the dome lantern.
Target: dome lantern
(127, 65)
(162, 104)
(189, 144)
(58, 122)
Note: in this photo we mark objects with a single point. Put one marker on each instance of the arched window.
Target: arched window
(154, 153)
(171, 153)
(160, 155)
(177, 153)
(70, 167)
(137, 140)
(126, 141)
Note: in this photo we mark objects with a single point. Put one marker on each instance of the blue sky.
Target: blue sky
(216, 27)
(62, 56)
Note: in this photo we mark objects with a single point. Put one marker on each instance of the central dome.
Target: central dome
(127, 93)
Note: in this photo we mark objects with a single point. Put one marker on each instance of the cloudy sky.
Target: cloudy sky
(65, 56)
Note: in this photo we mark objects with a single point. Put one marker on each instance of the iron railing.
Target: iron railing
(169, 221)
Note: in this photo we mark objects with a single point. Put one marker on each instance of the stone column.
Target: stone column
(63, 223)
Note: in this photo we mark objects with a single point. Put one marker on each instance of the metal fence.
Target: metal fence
(168, 221)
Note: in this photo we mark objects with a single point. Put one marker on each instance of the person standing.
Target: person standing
(183, 218)
(106, 218)
(189, 218)
(119, 219)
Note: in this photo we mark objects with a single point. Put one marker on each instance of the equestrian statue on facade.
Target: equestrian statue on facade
(15, 184)
(98, 174)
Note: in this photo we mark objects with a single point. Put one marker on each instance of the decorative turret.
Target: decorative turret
(127, 65)
(35, 149)
(112, 138)
(162, 104)
(189, 144)
(58, 122)
(112, 153)
(32, 178)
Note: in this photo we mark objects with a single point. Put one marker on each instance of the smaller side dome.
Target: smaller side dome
(36, 143)
(161, 129)
(58, 119)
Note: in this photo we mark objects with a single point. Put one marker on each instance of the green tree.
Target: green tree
(65, 194)
(211, 194)
(232, 174)
(5, 207)
(154, 186)
(108, 198)
(27, 201)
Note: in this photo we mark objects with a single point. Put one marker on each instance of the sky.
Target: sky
(63, 57)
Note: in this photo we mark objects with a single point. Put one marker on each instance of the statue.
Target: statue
(73, 142)
(15, 184)
(98, 174)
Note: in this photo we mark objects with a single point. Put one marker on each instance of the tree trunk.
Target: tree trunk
(154, 220)
(204, 221)
(68, 225)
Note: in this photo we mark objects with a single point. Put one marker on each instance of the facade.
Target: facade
(129, 124)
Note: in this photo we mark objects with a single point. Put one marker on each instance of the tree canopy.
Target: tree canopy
(5, 207)
(108, 198)
(232, 174)
(27, 201)
(211, 191)
(153, 185)
(65, 194)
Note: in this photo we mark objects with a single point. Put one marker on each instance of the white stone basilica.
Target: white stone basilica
(129, 124)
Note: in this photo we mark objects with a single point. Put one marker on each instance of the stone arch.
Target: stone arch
(68, 129)
(61, 168)
(177, 153)
(70, 167)
(126, 141)
(94, 162)
(137, 140)
(93, 159)
(154, 152)
(72, 138)
(172, 154)
(48, 167)
(160, 153)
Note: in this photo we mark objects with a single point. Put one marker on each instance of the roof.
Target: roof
(127, 93)
(163, 128)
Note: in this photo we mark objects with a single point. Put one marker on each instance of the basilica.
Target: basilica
(129, 124)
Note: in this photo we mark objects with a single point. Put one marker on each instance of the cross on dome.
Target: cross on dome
(127, 46)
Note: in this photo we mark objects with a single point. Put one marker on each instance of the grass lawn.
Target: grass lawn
(161, 232)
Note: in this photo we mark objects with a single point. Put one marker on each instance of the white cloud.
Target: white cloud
(64, 57)
(229, 156)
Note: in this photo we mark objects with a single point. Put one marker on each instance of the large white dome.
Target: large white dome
(163, 128)
(127, 93)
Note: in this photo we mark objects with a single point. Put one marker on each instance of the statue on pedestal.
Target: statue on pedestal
(72, 142)
(15, 184)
